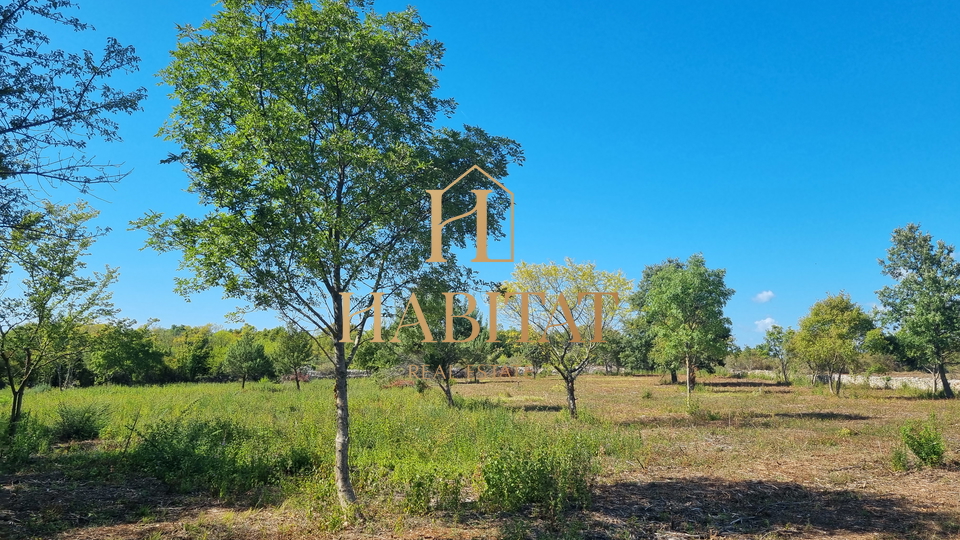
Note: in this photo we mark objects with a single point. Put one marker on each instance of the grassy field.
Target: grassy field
(747, 459)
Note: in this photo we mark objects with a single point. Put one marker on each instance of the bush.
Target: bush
(79, 422)
(220, 455)
(899, 460)
(551, 477)
(924, 440)
(32, 438)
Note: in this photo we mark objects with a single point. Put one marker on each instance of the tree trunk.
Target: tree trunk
(444, 383)
(836, 387)
(947, 391)
(571, 397)
(673, 376)
(688, 380)
(341, 467)
(243, 382)
(296, 377)
(783, 368)
(16, 411)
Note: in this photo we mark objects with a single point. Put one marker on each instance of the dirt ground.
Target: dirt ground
(752, 460)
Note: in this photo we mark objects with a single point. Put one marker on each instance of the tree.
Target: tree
(685, 307)
(307, 130)
(577, 304)
(191, 352)
(638, 329)
(294, 351)
(831, 338)
(774, 345)
(613, 353)
(123, 354)
(51, 103)
(924, 305)
(45, 324)
(246, 358)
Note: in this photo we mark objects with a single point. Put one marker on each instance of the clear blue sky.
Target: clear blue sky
(785, 141)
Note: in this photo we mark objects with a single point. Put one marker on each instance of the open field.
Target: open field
(749, 459)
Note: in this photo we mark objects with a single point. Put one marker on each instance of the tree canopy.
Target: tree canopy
(51, 103)
(307, 130)
(924, 304)
(684, 304)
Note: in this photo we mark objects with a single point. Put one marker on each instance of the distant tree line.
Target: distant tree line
(123, 353)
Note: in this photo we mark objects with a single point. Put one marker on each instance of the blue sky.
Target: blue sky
(784, 141)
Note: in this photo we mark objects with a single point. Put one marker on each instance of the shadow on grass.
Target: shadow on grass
(820, 416)
(80, 488)
(735, 419)
(710, 507)
(741, 384)
(537, 408)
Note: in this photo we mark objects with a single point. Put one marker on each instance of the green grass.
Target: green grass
(409, 450)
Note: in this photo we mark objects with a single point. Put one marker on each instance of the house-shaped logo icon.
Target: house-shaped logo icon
(480, 209)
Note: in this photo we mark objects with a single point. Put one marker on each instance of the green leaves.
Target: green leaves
(924, 304)
(684, 306)
(831, 336)
(53, 102)
(307, 128)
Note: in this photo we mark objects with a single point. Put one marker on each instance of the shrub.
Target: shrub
(79, 422)
(220, 455)
(551, 477)
(899, 460)
(924, 440)
(32, 438)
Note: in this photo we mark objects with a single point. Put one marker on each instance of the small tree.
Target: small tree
(831, 337)
(246, 358)
(685, 307)
(578, 303)
(294, 351)
(774, 345)
(45, 323)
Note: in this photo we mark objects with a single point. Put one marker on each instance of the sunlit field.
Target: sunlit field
(746, 458)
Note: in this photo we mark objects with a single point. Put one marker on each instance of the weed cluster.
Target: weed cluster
(925, 440)
(79, 422)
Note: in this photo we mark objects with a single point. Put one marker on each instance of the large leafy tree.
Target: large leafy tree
(564, 310)
(924, 304)
(123, 354)
(51, 103)
(684, 304)
(831, 337)
(45, 322)
(638, 329)
(306, 128)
